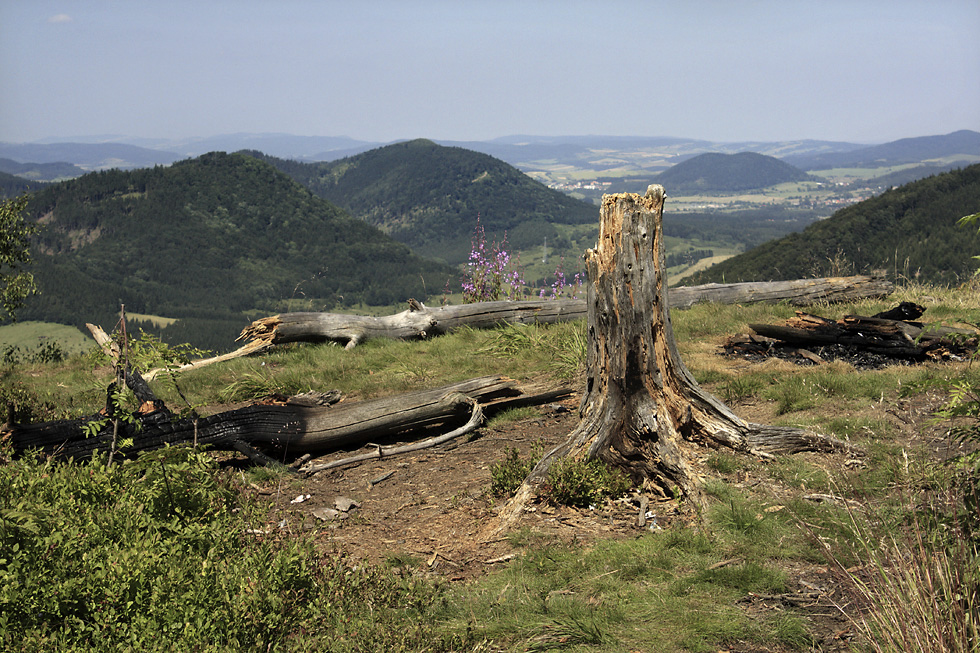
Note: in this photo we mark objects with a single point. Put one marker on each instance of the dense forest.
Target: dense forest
(746, 228)
(13, 186)
(909, 231)
(428, 196)
(728, 173)
(212, 241)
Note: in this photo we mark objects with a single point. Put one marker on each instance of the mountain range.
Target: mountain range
(216, 240)
(530, 154)
(960, 145)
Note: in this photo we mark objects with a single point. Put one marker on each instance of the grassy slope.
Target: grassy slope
(613, 584)
(28, 336)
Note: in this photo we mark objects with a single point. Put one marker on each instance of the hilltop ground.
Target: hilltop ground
(424, 510)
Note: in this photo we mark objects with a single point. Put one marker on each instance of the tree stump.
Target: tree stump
(642, 408)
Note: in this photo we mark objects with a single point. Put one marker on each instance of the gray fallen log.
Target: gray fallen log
(800, 292)
(420, 321)
(286, 427)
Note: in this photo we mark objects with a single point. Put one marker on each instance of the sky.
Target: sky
(863, 71)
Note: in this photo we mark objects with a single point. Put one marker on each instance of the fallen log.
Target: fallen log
(800, 292)
(881, 335)
(420, 321)
(290, 428)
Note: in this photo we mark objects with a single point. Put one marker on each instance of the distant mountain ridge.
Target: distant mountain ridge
(906, 150)
(88, 156)
(429, 196)
(40, 171)
(910, 230)
(213, 241)
(526, 152)
(714, 171)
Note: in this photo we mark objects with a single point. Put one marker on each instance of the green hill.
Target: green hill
(714, 172)
(429, 196)
(212, 241)
(910, 229)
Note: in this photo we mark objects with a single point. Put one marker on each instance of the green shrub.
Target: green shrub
(584, 482)
(508, 474)
(23, 405)
(161, 554)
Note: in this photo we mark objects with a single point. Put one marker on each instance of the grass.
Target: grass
(151, 554)
(27, 337)
(657, 592)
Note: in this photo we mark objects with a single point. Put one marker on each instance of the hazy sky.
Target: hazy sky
(855, 70)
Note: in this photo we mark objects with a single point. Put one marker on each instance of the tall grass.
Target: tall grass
(918, 586)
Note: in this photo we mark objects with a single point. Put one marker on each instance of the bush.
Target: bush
(507, 475)
(162, 554)
(584, 482)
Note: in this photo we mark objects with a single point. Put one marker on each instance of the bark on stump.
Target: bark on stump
(642, 407)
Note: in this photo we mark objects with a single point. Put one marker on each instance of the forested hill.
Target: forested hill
(213, 241)
(13, 186)
(727, 173)
(910, 229)
(428, 196)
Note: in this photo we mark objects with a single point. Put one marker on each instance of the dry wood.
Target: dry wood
(286, 427)
(421, 321)
(476, 418)
(642, 408)
(800, 292)
(895, 338)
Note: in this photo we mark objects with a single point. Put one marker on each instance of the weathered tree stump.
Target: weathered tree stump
(642, 408)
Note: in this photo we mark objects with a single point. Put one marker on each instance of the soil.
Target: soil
(427, 509)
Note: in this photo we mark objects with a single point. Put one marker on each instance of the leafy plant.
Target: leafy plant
(584, 482)
(487, 277)
(561, 286)
(508, 474)
(15, 233)
(163, 553)
(22, 404)
(148, 352)
(970, 220)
